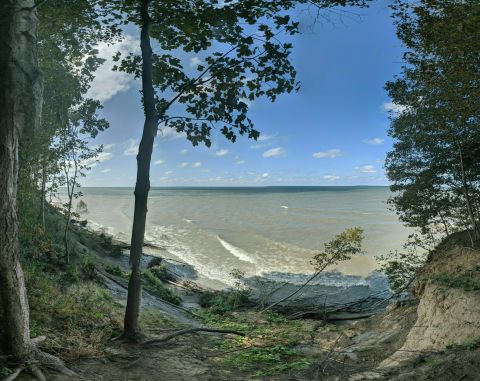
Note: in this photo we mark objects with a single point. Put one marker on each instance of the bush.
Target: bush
(464, 281)
(221, 302)
(161, 273)
(155, 286)
(114, 270)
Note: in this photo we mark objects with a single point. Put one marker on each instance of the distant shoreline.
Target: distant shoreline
(275, 187)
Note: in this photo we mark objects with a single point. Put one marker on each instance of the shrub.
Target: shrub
(114, 270)
(155, 286)
(161, 273)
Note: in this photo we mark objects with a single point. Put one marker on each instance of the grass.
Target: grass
(269, 346)
(78, 318)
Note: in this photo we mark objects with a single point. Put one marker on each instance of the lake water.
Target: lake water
(271, 231)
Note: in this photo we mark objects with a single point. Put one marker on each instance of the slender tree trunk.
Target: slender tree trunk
(467, 195)
(20, 105)
(42, 192)
(142, 186)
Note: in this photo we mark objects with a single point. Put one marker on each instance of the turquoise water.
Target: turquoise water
(273, 231)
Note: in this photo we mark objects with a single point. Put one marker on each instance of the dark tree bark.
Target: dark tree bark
(142, 187)
(42, 192)
(20, 109)
(466, 193)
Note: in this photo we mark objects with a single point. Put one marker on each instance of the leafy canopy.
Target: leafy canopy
(240, 57)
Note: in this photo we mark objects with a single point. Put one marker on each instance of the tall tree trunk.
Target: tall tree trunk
(20, 105)
(142, 186)
(466, 193)
(42, 192)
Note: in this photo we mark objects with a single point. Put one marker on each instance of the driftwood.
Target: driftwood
(188, 331)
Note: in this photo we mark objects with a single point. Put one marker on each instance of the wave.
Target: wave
(236, 251)
(284, 206)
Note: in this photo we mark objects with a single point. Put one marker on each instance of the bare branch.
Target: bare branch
(191, 330)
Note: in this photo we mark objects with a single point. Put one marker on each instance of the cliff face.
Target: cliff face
(444, 340)
(449, 310)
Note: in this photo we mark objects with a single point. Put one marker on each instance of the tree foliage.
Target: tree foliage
(434, 164)
(242, 54)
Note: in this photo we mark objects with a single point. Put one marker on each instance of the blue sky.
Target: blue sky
(333, 132)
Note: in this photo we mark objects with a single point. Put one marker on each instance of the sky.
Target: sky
(332, 132)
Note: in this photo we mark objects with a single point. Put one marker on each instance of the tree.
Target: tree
(434, 163)
(244, 59)
(20, 102)
(21, 106)
(76, 155)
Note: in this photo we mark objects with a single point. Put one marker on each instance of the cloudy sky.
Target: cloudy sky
(333, 132)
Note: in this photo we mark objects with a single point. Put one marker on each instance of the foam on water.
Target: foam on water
(169, 238)
(274, 232)
(236, 251)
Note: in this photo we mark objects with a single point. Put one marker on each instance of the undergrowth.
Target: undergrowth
(468, 281)
(269, 346)
(156, 287)
(77, 318)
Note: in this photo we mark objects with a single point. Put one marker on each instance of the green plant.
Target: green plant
(466, 281)
(114, 270)
(161, 272)
(155, 286)
(400, 267)
(5, 371)
(469, 345)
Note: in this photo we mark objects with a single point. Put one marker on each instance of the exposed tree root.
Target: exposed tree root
(190, 330)
(37, 360)
(15, 374)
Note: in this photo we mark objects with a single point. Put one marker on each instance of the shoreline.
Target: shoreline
(363, 298)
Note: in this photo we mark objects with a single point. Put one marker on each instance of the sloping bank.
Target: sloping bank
(443, 341)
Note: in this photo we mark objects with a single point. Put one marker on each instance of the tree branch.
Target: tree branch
(190, 330)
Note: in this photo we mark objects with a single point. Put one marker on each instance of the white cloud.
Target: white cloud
(159, 162)
(100, 158)
(331, 177)
(104, 156)
(260, 145)
(108, 83)
(393, 107)
(132, 148)
(183, 165)
(106, 170)
(265, 175)
(331, 153)
(367, 169)
(264, 137)
(374, 141)
(183, 151)
(195, 61)
(221, 152)
(197, 164)
(239, 162)
(274, 152)
(167, 133)
(107, 147)
(168, 173)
